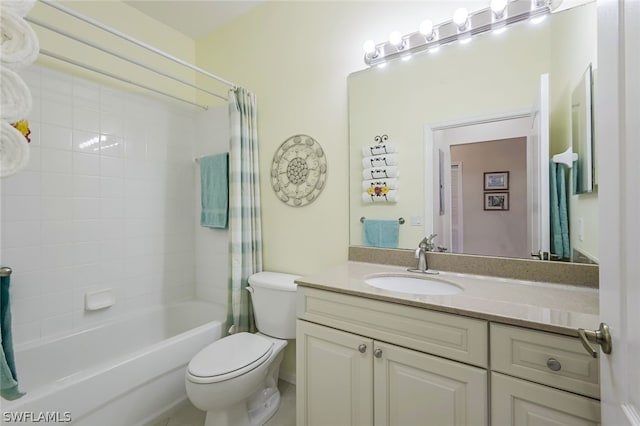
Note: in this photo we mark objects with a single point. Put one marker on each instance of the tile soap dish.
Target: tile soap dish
(96, 300)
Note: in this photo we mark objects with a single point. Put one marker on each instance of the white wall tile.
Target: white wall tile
(86, 164)
(56, 160)
(20, 208)
(115, 213)
(57, 184)
(86, 208)
(86, 119)
(56, 208)
(34, 157)
(55, 136)
(57, 232)
(25, 183)
(86, 186)
(21, 234)
(87, 142)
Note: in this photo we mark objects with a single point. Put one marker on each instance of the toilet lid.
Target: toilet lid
(229, 357)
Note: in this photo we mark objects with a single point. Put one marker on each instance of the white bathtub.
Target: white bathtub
(125, 372)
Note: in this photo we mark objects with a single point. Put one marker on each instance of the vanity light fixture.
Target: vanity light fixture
(461, 19)
(463, 26)
(498, 7)
(426, 29)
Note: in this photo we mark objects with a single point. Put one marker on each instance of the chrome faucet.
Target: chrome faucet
(425, 246)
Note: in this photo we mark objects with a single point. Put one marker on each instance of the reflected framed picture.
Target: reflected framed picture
(496, 201)
(495, 181)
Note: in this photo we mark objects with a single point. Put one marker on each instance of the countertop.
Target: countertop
(549, 307)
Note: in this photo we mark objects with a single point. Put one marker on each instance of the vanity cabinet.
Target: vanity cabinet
(348, 375)
(368, 362)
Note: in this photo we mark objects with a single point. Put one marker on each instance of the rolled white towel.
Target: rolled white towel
(15, 97)
(380, 172)
(389, 197)
(391, 183)
(19, 7)
(20, 44)
(14, 150)
(383, 148)
(380, 160)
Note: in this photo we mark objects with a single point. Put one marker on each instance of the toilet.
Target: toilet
(235, 379)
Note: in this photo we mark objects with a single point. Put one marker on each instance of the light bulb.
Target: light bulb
(369, 47)
(395, 38)
(426, 29)
(461, 18)
(498, 7)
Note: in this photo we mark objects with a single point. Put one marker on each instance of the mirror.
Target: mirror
(582, 134)
(495, 76)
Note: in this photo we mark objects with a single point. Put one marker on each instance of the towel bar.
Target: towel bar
(400, 219)
(5, 271)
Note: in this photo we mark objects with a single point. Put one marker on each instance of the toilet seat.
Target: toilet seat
(229, 357)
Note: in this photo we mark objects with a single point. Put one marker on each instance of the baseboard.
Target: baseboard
(288, 377)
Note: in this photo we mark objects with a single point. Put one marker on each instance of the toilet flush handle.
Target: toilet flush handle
(249, 289)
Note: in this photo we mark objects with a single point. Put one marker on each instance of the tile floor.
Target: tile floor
(188, 415)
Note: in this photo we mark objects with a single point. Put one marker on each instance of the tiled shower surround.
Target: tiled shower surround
(107, 201)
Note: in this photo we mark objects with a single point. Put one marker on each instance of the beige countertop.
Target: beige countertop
(543, 306)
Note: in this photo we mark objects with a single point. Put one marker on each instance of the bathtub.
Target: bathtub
(125, 372)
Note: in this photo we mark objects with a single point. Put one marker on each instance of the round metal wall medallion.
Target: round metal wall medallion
(298, 170)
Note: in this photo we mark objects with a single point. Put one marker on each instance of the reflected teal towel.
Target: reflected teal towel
(8, 377)
(560, 243)
(381, 233)
(214, 184)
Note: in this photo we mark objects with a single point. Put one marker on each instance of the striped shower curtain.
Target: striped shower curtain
(245, 231)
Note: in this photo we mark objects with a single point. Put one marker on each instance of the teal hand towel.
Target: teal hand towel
(381, 233)
(214, 190)
(8, 377)
(560, 242)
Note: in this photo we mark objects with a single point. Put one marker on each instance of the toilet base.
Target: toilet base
(255, 411)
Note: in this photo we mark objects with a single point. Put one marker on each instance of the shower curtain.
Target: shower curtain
(245, 231)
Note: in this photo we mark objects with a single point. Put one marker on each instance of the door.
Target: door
(334, 377)
(413, 388)
(538, 167)
(617, 108)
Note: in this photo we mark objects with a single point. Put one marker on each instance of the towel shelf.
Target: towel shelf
(5, 271)
(400, 219)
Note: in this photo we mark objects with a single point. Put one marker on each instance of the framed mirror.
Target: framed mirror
(493, 75)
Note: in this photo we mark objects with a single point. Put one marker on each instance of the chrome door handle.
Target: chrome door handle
(362, 348)
(601, 336)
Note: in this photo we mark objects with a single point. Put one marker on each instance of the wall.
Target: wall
(85, 216)
(505, 230)
(580, 48)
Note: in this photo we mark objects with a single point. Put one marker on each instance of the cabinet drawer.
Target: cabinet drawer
(447, 335)
(519, 402)
(526, 353)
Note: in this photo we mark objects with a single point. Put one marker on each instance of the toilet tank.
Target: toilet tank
(273, 295)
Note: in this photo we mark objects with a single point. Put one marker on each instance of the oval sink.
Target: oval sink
(413, 285)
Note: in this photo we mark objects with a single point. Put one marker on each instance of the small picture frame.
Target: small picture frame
(495, 181)
(496, 201)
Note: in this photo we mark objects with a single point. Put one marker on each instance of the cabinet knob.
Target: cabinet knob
(362, 348)
(377, 353)
(554, 364)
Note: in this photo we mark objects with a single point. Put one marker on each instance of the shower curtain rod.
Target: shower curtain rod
(118, 55)
(135, 41)
(116, 77)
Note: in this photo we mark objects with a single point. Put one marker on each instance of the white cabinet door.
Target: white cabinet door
(517, 402)
(413, 388)
(334, 377)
